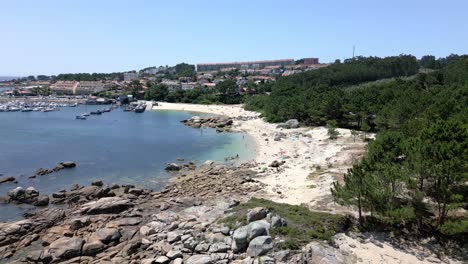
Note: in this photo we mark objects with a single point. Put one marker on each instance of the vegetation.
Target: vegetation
(89, 76)
(302, 227)
(41, 90)
(315, 97)
(222, 94)
(415, 174)
(185, 70)
(331, 129)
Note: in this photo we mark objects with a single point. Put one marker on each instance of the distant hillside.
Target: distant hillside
(7, 78)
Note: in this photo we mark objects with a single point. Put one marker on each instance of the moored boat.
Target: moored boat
(140, 109)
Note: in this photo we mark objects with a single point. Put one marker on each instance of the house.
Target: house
(89, 87)
(64, 87)
(185, 79)
(130, 76)
(172, 86)
(189, 86)
(208, 85)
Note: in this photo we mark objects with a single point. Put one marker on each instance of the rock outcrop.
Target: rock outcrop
(179, 224)
(27, 196)
(58, 167)
(291, 123)
(6, 179)
(221, 123)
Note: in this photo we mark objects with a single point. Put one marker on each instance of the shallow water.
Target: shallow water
(116, 147)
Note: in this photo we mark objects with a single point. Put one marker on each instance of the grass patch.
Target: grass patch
(317, 171)
(303, 224)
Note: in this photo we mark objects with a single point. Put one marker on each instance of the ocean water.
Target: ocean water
(116, 147)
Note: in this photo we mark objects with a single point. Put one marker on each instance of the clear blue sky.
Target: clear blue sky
(59, 36)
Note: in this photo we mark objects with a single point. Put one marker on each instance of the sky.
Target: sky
(57, 36)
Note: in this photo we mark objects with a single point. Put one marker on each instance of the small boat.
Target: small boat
(106, 110)
(85, 114)
(48, 110)
(74, 105)
(26, 110)
(140, 109)
(98, 112)
(128, 109)
(80, 117)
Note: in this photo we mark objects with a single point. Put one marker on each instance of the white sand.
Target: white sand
(312, 164)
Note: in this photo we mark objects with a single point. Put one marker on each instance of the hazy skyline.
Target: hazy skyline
(51, 37)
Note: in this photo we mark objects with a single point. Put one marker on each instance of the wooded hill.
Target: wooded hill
(414, 178)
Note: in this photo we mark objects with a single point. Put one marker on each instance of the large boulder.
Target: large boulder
(31, 191)
(173, 237)
(279, 136)
(162, 260)
(292, 123)
(59, 195)
(97, 183)
(107, 205)
(6, 179)
(219, 247)
(173, 167)
(42, 172)
(200, 259)
(152, 228)
(258, 228)
(320, 253)
(66, 248)
(174, 254)
(93, 247)
(42, 200)
(68, 164)
(276, 164)
(282, 125)
(257, 213)
(277, 221)
(16, 194)
(260, 246)
(79, 222)
(240, 239)
(107, 235)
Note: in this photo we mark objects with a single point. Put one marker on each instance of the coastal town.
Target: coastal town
(206, 77)
(233, 132)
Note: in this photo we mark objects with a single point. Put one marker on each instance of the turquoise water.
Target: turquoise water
(116, 147)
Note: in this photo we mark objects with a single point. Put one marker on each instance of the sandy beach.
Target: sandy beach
(312, 161)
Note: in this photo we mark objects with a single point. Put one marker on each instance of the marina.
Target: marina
(25, 106)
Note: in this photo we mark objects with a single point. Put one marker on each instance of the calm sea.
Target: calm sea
(116, 147)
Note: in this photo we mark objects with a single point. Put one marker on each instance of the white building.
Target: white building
(130, 76)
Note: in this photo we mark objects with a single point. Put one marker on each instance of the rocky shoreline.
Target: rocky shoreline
(220, 123)
(124, 224)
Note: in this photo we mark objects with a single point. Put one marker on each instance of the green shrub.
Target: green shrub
(302, 227)
(453, 227)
